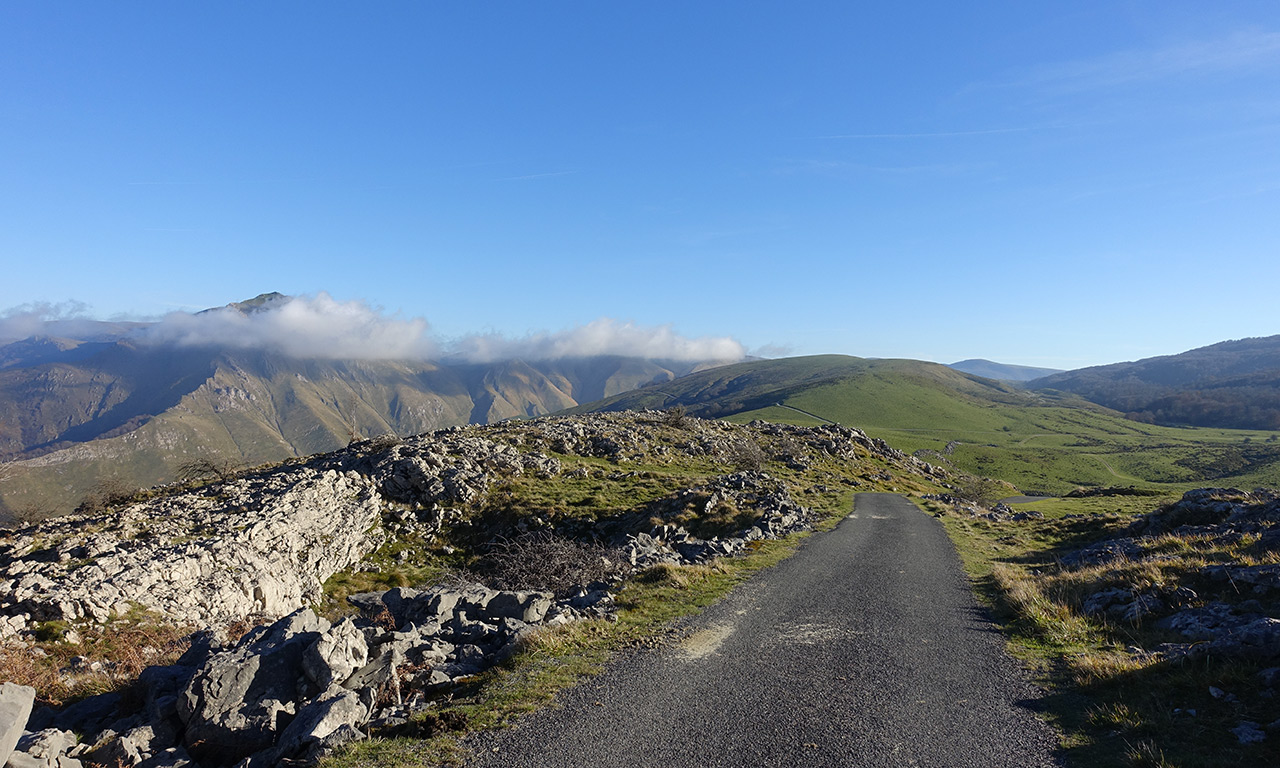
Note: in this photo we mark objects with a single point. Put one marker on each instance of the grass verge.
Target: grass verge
(1115, 697)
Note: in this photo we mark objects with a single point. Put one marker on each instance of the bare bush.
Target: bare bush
(982, 490)
(209, 470)
(744, 455)
(676, 416)
(549, 562)
(31, 513)
(106, 493)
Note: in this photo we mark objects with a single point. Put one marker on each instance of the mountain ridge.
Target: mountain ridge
(1234, 384)
(74, 414)
(1002, 371)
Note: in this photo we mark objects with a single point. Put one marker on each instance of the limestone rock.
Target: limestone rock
(258, 546)
(15, 710)
(236, 703)
(335, 655)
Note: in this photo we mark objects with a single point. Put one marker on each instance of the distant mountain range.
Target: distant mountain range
(107, 405)
(1001, 371)
(85, 402)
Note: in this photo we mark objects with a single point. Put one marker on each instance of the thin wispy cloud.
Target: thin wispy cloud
(927, 134)
(1241, 52)
(537, 176)
(844, 168)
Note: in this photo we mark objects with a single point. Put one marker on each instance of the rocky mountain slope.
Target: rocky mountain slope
(592, 500)
(109, 406)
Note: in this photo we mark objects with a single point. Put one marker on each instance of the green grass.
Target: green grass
(1113, 703)
(1037, 441)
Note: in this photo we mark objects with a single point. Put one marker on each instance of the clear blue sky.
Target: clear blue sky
(1048, 183)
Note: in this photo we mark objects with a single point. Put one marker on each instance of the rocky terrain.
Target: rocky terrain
(1187, 600)
(1225, 608)
(259, 549)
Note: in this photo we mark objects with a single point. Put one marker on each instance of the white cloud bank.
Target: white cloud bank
(600, 337)
(320, 326)
(33, 319)
(314, 326)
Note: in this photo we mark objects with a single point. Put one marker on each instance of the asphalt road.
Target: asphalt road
(866, 648)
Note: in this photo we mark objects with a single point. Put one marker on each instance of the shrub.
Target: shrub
(547, 561)
(104, 494)
(744, 455)
(209, 470)
(676, 416)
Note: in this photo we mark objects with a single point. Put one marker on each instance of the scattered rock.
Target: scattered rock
(1249, 733)
(259, 547)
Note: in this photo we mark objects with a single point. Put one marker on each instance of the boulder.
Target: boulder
(15, 709)
(241, 698)
(335, 655)
(335, 709)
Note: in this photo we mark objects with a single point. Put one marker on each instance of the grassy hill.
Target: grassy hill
(1040, 441)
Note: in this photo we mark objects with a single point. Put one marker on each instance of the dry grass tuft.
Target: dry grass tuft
(62, 672)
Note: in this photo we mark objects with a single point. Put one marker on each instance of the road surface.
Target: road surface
(866, 648)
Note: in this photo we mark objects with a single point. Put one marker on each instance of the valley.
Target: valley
(1040, 441)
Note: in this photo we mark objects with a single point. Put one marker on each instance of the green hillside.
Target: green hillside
(1048, 442)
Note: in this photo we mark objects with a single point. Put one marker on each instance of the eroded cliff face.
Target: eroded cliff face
(256, 546)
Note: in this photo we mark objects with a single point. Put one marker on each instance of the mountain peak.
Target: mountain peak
(260, 303)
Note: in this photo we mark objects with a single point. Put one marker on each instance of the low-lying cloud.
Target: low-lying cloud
(600, 337)
(34, 319)
(315, 326)
(321, 326)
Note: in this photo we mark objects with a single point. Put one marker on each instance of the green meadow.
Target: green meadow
(1041, 442)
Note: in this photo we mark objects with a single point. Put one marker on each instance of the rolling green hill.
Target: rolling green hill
(1040, 441)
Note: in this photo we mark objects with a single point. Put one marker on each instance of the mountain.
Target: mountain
(1002, 371)
(1048, 440)
(851, 390)
(1233, 384)
(76, 412)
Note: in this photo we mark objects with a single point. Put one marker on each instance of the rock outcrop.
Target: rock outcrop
(257, 549)
(257, 546)
(290, 691)
(262, 545)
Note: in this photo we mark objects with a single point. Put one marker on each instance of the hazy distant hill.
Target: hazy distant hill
(73, 412)
(1002, 371)
(1233, 384)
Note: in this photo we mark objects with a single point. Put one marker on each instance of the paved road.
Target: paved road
(864, 649)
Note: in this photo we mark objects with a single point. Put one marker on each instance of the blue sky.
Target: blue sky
(1056, 184)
